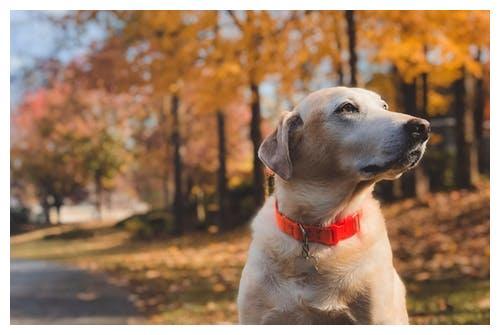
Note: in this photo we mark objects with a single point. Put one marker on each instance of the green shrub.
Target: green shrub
(19, 217)
(241, 204)
(154, 224)
(71, 235)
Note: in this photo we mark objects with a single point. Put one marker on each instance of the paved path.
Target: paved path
(47, 293)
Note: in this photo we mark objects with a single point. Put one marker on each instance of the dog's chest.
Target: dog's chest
(320, 286)
(332, 296)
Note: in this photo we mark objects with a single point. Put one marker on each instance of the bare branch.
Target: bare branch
(235, 20)
(292, 18)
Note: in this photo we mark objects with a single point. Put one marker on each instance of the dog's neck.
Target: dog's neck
(319, 203)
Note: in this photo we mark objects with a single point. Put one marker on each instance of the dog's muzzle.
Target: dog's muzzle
(417, 133)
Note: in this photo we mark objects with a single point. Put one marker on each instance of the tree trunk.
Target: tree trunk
(340, 74)
(46, 210)
(388, 190)
(164, 191)
(98, 196)
(465, 167)
(58, 202)
(58, 211)
(164, 129)
(397, 189)
(421, 182)
(256, 138)
(353, 57)
(479, 103)
(221, 173)
(338, 58)
(176, 142)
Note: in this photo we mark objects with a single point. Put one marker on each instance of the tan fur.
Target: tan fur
(355, 281)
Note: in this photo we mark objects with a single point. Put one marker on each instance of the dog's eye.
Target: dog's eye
(347, 108)
(386, 106)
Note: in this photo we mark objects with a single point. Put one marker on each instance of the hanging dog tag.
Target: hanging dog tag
(305, 249)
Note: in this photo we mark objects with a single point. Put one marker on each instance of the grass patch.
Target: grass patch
(464, 301)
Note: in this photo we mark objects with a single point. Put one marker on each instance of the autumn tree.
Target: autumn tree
(216, 86)
(174, 99)
(164, 46)
(469, 38)
(46, 153)
(104, 154)
(149, 170)
(423, 50)
(262, 42)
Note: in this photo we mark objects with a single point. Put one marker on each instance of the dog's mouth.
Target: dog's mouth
(403, 162)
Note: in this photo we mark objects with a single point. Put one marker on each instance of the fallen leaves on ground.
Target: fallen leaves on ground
(446, 237)
(441, 249)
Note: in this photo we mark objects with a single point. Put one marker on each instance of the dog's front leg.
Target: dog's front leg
(390, 300)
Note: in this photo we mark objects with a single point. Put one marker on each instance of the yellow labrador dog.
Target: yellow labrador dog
(320, 252)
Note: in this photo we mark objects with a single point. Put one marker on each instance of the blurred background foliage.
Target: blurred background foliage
(169, 108)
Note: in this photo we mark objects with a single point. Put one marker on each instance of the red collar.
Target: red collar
(332, 234)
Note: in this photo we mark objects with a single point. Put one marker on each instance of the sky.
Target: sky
(34, 37)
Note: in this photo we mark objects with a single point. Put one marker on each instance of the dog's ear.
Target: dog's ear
(274, 151)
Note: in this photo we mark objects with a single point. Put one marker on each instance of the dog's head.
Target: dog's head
(344, 132)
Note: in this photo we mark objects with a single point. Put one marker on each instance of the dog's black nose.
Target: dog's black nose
(418, 129)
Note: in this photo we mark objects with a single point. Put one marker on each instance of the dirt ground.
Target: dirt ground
(441, 249)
